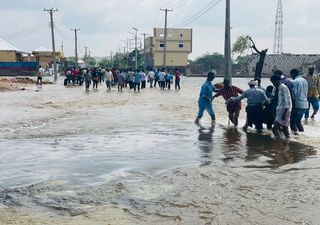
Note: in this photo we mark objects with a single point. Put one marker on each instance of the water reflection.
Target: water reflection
(249, 149)
(232, 146)
(279, 152)
(205, 139)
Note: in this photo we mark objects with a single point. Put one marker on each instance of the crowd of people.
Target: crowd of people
(121, 78)
(280, 106)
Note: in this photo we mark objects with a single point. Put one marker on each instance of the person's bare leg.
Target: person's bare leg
(286, 131)
(275, 129)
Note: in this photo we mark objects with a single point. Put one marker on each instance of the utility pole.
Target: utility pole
(135, 47)
(51, 11)
(127, 53)
(111, 57)
(76, 44)
(227, 47)
(89, 57)
(144, 51)
(165, 36)
(62, 46)
(119, 49)
(86, 53)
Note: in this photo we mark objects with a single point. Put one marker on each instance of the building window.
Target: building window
(161, 44)
(180, 45)
(181, 35)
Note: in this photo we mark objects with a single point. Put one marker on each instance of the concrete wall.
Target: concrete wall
(284, 62)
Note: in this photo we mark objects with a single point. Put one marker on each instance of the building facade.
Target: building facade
(179, 46)
(9, 53)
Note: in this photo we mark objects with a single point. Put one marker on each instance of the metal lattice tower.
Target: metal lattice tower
(278, 38)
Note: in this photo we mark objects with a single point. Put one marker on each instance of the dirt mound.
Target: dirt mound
(16, 83)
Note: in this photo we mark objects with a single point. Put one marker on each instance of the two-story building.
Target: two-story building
(179, 46)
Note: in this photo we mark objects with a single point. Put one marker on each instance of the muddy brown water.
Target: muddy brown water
(68, 156)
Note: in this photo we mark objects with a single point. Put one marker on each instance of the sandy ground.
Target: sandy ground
(16, 83)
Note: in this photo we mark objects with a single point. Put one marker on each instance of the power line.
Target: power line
(62, 34)
(171, 4)
(168, 4)
(178, 4)
(25, 32)
(200, 13)
(42, 4)
(156, 21)
(208, 4)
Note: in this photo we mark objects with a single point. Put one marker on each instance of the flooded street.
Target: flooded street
(68, 156)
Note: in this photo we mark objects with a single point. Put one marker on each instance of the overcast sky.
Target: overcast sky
(104, 23)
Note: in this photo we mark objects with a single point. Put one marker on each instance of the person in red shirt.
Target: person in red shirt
(233, 108)
(177, 79)
(75, 73)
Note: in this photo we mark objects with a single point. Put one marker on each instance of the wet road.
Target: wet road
(64, 151)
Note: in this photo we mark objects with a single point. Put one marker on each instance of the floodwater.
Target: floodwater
(68, 156)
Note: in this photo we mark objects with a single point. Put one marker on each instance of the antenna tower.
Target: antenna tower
(278, 34)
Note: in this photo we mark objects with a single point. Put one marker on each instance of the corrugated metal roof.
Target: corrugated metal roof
(5, 46)
(42, 49)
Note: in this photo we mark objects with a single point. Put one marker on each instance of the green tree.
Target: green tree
(240, 49)
(208, 62)
(131, 60)
(90, 60)
(72, 59)
(241, 45)
(105, 62)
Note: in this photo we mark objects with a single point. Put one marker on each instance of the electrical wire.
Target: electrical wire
(203, 13)
(173, 5)
(42, 4)
(25, 32)
(168, 4)
(62, 33)
(157, 19)
(200, 13)
(178, 4)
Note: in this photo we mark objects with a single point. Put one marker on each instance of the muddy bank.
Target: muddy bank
(203, 196)
(17, 83)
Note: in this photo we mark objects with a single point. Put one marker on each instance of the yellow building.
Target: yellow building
(44, 57)
(179, 46)
(9, 53)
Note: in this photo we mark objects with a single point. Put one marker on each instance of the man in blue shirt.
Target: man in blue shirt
(205, 99)
(169, 79)
(300, 101)
(137, 80)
